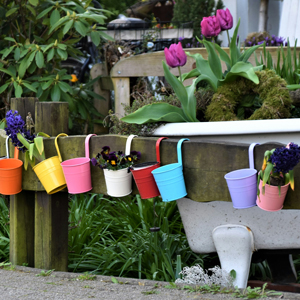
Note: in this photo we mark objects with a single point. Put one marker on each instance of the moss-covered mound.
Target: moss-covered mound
(276, 101)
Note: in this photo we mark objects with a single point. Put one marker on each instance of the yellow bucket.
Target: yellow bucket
(50, 172)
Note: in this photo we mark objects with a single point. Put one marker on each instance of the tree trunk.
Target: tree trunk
(263, 15)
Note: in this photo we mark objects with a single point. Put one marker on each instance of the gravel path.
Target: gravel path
(27, 283)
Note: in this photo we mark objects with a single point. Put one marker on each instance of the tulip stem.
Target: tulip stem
(180, 74)
(228, 37)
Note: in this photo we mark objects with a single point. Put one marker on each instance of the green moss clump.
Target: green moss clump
(271, 90)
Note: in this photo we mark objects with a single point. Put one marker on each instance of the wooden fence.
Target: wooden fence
(147, 64)
(39, 222)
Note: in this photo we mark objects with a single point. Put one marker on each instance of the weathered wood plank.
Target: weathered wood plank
(102, 105)
(150, 64)
(52, 117)
(204, 163)
(51, 231)
(122, 94)
(22, 228)
(24, 106)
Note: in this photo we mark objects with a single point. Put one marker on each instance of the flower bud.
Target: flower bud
(175, 56)
(225, 19)
(210, 26)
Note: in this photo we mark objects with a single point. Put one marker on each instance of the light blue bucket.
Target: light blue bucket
(242, 184)
(169, 179)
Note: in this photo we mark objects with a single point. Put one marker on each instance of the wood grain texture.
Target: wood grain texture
(122, 94)
(51, 231)
(22, 228)
(204, 163)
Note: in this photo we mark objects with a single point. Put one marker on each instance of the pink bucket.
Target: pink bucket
(77, 171)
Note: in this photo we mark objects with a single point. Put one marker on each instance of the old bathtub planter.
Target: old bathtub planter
(217, 226)
(116, 168)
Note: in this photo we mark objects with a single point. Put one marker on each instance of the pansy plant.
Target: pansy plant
(115, 160)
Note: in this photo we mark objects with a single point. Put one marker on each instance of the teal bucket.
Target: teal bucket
(169, 179)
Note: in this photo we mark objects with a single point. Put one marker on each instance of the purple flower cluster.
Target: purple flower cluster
(115, 160)
(286, 158)
(15, 124)
(273, 41)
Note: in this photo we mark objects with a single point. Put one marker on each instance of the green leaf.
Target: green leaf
(213, 59)
(64, 86)
(18, 91)
(63, 54)
(291, 179)
(26, 160)
(39, 59)
(34, 2)
(95, 38)
(58, 24)
(8, 51)
(30, 58)
(12, 11)
(156, 112)
(267, 173)
(191, 74)
(67, 26)
(55, 93)
(50, 54)
(223, 56)
(241, 69)
(47, 84)
(4, 87)
(179, 90)
(31, 148)
(30, 87)
(8, 72)
(44, 12)
(81, 28)
(17, 53)
(39, 144)
(10, 39)
(106, 36)
(48, 47)
(114, 280)
(31, 9)
(233, 47)
(62, 46)
(55, 17)
(246, 55)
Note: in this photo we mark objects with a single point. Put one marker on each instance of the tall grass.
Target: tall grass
(4, 231)
(112, 236)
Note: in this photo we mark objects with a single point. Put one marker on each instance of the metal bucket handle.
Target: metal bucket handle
(128, 144)
(87, 149)
(56, 145)
(251, 155)
(179, 154)
(157, 148)
(16, 152)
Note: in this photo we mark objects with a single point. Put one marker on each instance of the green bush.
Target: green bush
(194, 11)
(36, 38)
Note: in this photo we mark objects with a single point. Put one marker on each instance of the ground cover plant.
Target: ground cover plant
(112, 236)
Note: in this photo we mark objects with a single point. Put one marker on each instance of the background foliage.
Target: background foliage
(36, 38)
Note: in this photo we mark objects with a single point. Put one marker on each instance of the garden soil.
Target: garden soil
(28, 283)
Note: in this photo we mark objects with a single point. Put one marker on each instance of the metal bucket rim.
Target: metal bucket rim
(239, 178)
(77, 164)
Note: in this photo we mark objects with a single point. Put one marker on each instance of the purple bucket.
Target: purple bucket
(242, 184)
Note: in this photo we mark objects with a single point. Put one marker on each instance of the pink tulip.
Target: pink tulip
(210, 26)
(225, 19)
(175, 56)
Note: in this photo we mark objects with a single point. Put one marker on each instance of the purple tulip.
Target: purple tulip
(175, 56)
(225, 19)
(210, 26)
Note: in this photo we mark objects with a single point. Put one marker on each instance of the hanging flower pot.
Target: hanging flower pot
(271, 200)
(10, 173)
(276, 175)
(144, 178)
(169, 178)
(77, 171)
(242, 184)
(115, 165)
(50, 172)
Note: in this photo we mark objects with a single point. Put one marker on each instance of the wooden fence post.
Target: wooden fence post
(51, 211)
(122, 94)
(22, 206)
